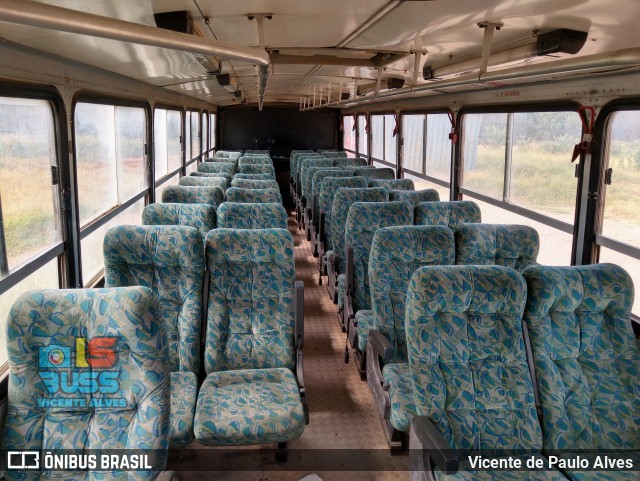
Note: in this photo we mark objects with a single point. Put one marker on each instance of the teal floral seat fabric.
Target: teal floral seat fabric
(586, 357)
(295, 172)
(349, 162)
(396, 253)
(250, 395)
(229, 154)
(392, 184)
(293, 158)
(373, 173)
(363, 221)
(192, 195)
(319, 175)
(214, 167)
(328, 189)
(514, 246)
(467, 357)
(415, 196)
(169, 260)
(253, 176)
(200, 216)
(311, 165)
(235, 215)
(226, 160)
(255, 160)
(47, 329)
(254, 184)
(184, 395)
(334, 154)
(219, 182)
(224, 175)
(237, 194)
(397, 376)
(257, 169)
(450, 213)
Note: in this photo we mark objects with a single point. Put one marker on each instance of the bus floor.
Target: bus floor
(344, 439)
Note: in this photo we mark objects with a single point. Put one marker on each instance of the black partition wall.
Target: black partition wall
(279, 129)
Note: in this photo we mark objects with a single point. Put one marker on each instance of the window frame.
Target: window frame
(178, 171)
(354, 152)
(394, 165)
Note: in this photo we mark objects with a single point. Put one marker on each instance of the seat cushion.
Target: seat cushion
(252, 406)
(403, 408)
(184, 393)
(465, 473)
(364, 318)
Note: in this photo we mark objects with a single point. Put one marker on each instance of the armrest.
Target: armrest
(314, 203)
(321, 218)
(381, 345)
(301, 388)
(433, 445)
(299, 315)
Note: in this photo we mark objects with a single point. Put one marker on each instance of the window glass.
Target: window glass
(629, 264)
(377, 137)
(187, 137)
(438, 158)
(205, 133)
(363, 141)
(413, 140)
(192, 167)
(349, 137)
(111, 167)
(542, 175)
(195, 137)
(44, 278)
(390, 142)
(421, 184)
(484, 139)
(91, 245)
(160, 157)
(28, 200)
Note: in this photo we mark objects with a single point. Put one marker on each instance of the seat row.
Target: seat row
(517, 367)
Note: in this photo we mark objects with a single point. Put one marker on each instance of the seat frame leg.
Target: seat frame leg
(281, 452)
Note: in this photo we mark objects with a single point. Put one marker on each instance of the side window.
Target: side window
(517, 167)
(426, 157)
(111, 171)
(168, 161)
(212, 131)
(363, 144)
(30, 233)
(349, 135)
(193, 125)
(619, 236)
(383, 143)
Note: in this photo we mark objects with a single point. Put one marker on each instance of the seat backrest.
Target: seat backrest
(307, 179)
(250, 319)
(363, 220)
(415, 196)
(334, 154)
(219, 182)
(192, 195)
(200, 216)
(256, 152)
(169, 260)
(226, 160)
(342, 201)
(449, 213)
(396, 253)
(305, 165)
(212, 167)
(238, 194)
(254, 184)
(328, 189)
(349, 162)
(236, 215)
(224, 175)
(229, 154)
(44, 328)
(255, 160)
(586, 356)
(373, 173)
(257, 169)
(253, 176)
(389, 184)
(467, 356)
(508, 245)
